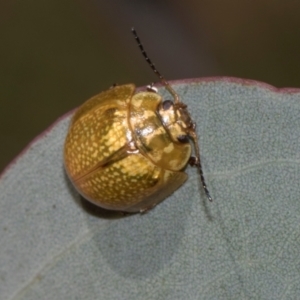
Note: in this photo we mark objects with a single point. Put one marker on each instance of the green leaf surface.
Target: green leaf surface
(244, 245)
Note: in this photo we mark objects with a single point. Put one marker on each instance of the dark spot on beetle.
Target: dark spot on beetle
(109, 112)
(193, 161)
(183, 139)
(113, 85)
(167, 104)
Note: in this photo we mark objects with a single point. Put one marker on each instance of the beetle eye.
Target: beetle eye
(167, 104)
(183, 139)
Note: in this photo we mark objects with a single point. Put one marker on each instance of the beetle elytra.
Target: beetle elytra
(127, 151)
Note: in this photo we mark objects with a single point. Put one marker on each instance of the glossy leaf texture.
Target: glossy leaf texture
(244, 245)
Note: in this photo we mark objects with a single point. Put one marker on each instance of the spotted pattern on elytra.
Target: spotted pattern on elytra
(112, 153)
(93, 138)
(123, 183)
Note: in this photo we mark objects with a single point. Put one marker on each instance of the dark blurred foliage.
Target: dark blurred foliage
(56, 54)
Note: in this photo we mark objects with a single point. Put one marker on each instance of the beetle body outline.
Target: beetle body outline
(127, 151)
(120, 155)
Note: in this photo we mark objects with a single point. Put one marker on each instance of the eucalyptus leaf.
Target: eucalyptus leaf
(243, 245)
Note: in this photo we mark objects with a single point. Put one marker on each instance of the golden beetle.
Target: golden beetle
(127, 151)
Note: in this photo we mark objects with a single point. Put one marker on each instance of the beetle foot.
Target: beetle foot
(146, 209)
(113, 86)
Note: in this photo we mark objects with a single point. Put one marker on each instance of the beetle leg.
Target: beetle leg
(146, 209)
(113, 86)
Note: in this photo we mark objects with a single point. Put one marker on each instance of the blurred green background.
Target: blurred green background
(56, 54)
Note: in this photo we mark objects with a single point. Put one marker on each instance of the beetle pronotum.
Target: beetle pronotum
(126, 150)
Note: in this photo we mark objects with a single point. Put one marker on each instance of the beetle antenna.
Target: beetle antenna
(198, 164)
(162, 79)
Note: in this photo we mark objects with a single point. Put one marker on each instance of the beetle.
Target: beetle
(127, 150)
